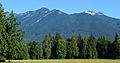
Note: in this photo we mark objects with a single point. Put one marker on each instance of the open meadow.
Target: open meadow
(68, 61)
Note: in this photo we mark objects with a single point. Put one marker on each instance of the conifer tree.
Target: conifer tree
(61, 49)
(54, 44)
(83, 48)
(72, 48)
(102, 47)
(47, 46)
(3, 34)
(91, 47)
(80, 44)
(15, 38)
(35, 50)
(23, 54)
(116, 47)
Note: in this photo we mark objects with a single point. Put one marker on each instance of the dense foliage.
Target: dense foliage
(11, 38)
(35, 50)
(47, 46)
(76, 47)
(13, 47)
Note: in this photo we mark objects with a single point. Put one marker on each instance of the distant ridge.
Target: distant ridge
(39, 22)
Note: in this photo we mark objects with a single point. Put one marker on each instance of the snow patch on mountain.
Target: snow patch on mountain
(43, 17)
(38, 20)
(90, 12)
(60, 12)
(93, 13)
(27, 16)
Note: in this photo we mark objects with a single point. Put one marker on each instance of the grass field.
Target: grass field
(67, 61)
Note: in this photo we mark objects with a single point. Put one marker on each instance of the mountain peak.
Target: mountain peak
(90, 12)
(43, 9)
(93, 13)
(57, 11)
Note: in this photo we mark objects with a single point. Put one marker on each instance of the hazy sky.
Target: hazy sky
(108, 7)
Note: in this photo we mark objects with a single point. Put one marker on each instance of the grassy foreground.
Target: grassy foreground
(67, 61)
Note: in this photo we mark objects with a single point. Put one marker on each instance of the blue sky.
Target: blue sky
(108, 7)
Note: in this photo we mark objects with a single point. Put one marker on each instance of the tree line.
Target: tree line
(12, 45)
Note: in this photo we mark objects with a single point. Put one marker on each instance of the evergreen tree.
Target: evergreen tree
(10, 36)
(61, 49)
(91, 47)
(23, 54)
(15, 38)
(54, 44)
(68, 52)
(110, 50)
(80, 41)
(47, 46)
(102, 47)
(57, 36)
(72, 48)
(116, 47)
(35, 50)
(83, 48)
(3, 34)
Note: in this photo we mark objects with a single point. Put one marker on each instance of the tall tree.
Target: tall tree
(72, 48)
(116, 47)
(61, 49)
(91, 47)
(3, 33)
(54, 44)
(79, 45)
(35, 50)
(102, 47)
(15, 38)
(83, 48)
(47, 46)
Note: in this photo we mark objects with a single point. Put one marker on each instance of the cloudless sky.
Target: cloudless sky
(108, 7)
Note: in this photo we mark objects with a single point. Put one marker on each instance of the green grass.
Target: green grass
(68, 61)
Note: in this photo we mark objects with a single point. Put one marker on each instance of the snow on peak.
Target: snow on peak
(93, 13)
(90, 12)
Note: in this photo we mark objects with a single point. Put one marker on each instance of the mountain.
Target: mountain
(39, 22)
